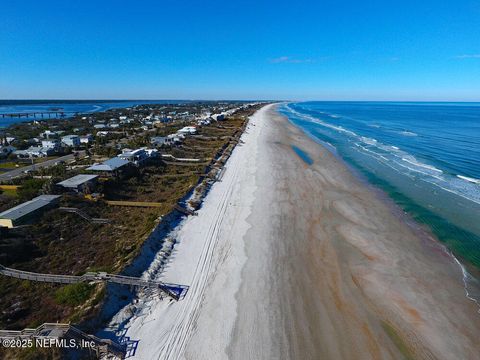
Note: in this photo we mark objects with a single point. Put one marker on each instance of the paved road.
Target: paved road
(9, 175)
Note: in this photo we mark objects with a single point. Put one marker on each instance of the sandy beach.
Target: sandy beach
(295, 260)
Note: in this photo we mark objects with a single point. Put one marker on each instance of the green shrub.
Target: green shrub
(74, 294)
(30, 188)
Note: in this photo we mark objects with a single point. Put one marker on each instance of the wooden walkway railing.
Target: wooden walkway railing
(58, 331)
(84, 215)
(176, 292)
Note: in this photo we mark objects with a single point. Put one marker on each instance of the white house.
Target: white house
(34, 151)
(137, 156)
(86, 139)
(48, 133)
(71, 140)
(51, 144)
(187, 130)
(218, 117)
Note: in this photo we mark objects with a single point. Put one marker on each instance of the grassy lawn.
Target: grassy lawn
(9, 192)
(8, 165)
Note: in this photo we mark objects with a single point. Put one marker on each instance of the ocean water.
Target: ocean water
(69, 107)
(426, 156)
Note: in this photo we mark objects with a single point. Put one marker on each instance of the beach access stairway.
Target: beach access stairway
(103, 347)
(184, 210)
(84, 215)
(174, 291)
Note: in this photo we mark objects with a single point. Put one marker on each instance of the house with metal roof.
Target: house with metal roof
(110, 167)
(80, 183)
(27, 211)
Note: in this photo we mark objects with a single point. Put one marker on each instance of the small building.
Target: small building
(71, 140)
(47, 134)
(175, 138)
(80, 183)
(218, 117)
(7, 140)
(158, 141)
(187, 130)
(27, 211)
(136, 157)
(86, 139)
(51, 144)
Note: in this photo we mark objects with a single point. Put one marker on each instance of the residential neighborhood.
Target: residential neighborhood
(84, 193)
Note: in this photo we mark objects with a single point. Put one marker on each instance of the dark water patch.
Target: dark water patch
(302, 154)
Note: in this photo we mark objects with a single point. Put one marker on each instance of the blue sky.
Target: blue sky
(341, 50)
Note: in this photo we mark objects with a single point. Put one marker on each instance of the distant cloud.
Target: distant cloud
(468, 56)
(289, 60)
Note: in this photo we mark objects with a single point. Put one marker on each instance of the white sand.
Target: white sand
(289, 261)
(206, 242)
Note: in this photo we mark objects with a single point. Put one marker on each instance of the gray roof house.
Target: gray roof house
(26, 211)
(79, 183)
(111, 165)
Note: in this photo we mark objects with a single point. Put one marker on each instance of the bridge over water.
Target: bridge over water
(38, 115)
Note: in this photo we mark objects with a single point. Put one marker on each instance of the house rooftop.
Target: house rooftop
(109, 165)
(28, 207)
(77, 180)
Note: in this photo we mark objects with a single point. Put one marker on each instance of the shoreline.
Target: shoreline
(423, 230)
(291, 260)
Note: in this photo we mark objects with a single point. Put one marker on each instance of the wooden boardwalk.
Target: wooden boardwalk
(174, 291)
(133, 203)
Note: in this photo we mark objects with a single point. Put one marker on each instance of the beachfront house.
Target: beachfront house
(137, 157)
(27, 211)
(111, 167)
(84, 183)
(71, 140)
